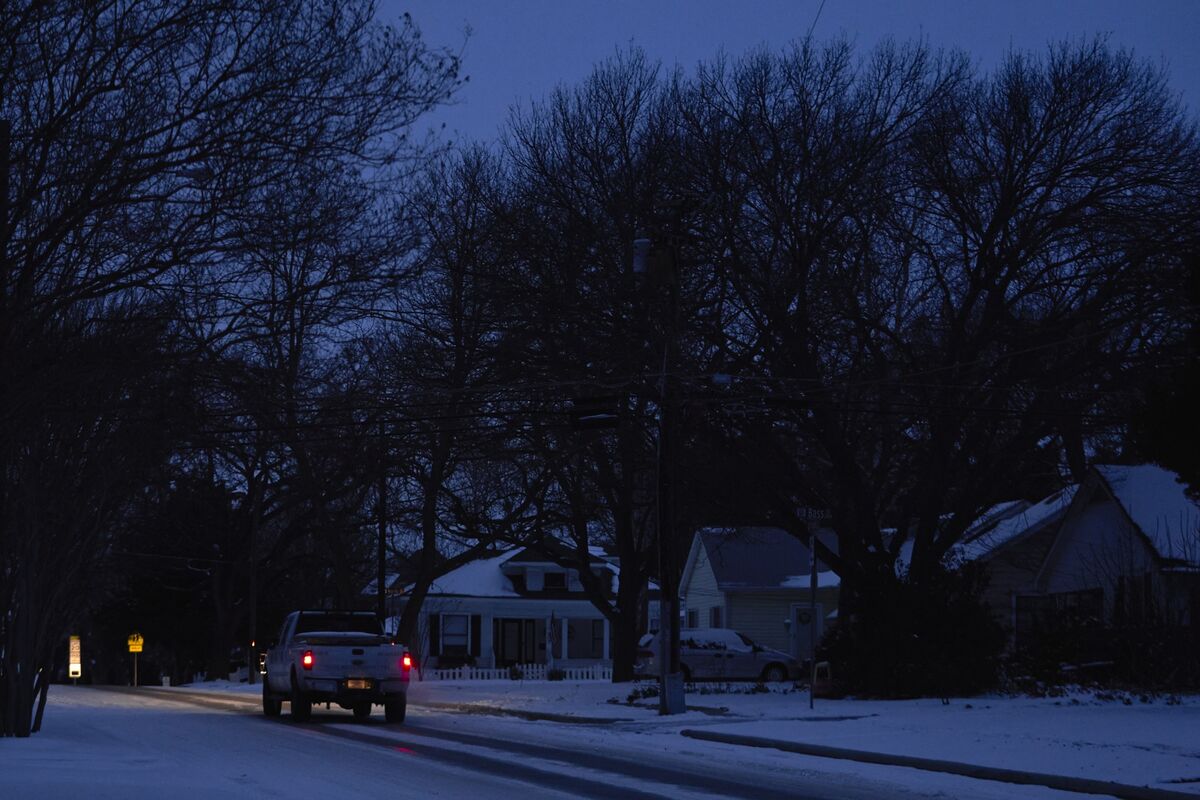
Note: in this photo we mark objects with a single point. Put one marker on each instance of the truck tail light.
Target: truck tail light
(306, 660)
(406, 662)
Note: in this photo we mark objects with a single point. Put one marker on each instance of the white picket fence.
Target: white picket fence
(527, 672)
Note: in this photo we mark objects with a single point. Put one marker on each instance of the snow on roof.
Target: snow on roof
(825, 580)
(994, 514)
(481, 578)
(989, 537)
(1157, 503)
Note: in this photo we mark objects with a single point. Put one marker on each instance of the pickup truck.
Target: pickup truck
(336, 657)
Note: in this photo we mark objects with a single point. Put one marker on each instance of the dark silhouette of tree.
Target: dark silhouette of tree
(133, 139)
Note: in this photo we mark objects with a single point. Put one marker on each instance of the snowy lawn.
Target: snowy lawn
(1153, 743)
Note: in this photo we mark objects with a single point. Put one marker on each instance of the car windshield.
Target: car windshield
(746, 640)
(339, 623)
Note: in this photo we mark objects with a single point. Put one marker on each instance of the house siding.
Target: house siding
(761, 615)
(702, 594)
(1094, 548)
(1014, 570)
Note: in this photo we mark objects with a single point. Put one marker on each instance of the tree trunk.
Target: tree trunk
(410, 616)
(624, 647)
(43, 691)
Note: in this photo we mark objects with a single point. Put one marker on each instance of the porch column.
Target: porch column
(487, 650)
(549, 642)
(566, 631)
(606, 635)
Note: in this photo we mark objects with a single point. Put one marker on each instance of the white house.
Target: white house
(1128, 550)
(1121, 547)
(517, 607)
(757, 582)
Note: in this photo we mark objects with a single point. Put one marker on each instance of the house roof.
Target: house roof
(549, 550)
(480, 578)
(487, 577)
(758, 558)
(1157, 503)
(1009, 522)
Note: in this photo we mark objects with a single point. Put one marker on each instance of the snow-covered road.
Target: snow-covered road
(113, 743)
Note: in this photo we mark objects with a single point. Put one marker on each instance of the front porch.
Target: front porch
(499, 633)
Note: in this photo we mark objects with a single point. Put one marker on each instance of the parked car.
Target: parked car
(708, 654)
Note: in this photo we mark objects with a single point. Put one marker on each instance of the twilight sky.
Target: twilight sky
(519, 50)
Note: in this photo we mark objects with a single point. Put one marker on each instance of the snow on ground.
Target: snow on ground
(1143, 743)
(100, 745)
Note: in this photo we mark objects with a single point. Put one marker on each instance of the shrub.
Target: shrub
(935, 638)
(643, 693)
(1149, 656)
(516, 673)
(556, 674)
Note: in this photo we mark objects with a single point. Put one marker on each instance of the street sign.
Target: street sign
(135, 642)
(810, 514)
(75, 659)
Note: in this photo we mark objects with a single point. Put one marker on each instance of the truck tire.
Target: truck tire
(395, 708)
(301, 704)
(272, 705)
(362, 710)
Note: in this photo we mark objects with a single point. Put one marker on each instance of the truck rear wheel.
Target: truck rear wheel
(301, 704)
(272, 705)
(395, 708)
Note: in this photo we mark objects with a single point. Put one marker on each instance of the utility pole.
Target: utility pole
(5, 158)
(671, 694)
(254, 497)
(812, 629)
(381, 576)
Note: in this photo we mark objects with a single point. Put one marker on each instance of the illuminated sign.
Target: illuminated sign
(135, 642)
(75, 660)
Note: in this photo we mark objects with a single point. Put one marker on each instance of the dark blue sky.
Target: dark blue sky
(521, 49)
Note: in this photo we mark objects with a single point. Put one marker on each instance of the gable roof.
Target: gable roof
(1157, 503)
(1011, 524)
(757, 558)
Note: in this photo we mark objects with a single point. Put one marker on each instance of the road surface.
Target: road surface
(124, 743)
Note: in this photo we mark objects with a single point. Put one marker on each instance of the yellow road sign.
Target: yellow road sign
(135, 642)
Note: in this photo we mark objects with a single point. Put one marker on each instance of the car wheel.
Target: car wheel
(272, 705)
(775, 673)
(362, 710)
(395, 708)
(301, 705)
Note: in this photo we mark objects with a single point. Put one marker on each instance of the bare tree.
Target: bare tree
(138, 132)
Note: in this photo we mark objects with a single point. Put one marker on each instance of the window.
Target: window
(714, 617)
(456, 632)
(693, 620)
(597, 638)
(556, 580)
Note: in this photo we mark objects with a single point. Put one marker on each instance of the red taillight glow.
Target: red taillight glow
(406, 662)
(307, 659)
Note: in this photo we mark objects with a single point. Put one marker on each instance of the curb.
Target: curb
(1061, 782)
(534, 716)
